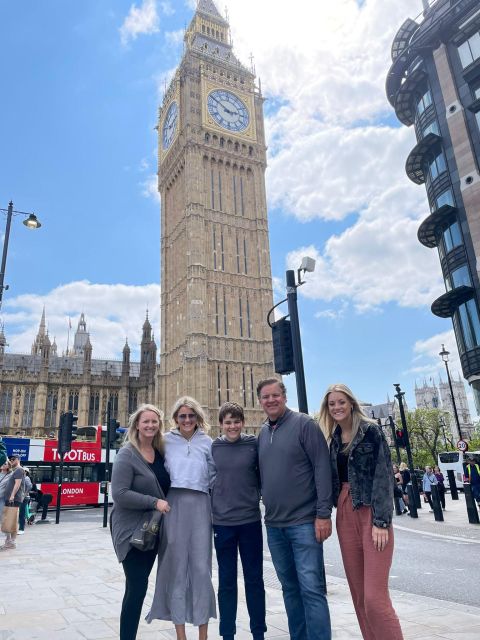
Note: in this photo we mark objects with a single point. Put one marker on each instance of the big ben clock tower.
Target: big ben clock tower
(216, 275)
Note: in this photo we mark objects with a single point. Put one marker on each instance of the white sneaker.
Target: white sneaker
(20, 533)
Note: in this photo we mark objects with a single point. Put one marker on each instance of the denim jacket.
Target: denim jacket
(370, 472)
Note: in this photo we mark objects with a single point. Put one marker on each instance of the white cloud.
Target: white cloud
(174, 38)
(427, 352)
(113, 313)
(143, 19)
(150, 188)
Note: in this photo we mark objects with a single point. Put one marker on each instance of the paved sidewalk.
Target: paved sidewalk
(63, 583)
(455, 524)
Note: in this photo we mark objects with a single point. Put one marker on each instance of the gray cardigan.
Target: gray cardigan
(135, 489)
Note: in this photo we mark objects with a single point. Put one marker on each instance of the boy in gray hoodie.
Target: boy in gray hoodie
(237, 522)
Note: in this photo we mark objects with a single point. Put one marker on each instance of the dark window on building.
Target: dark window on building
(436, 165)
(219, 386)
(73, 401)
(51, 409)
(424, 101)
(132, 401)
(214, 242)
(5, 408)
(452, 237)
(94, 408)
(469, 51)
(28, 405)
(458, 278)
(431, 128)
(469, 324)
(446, 197)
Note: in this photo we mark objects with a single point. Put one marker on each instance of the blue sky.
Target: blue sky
(82, 82)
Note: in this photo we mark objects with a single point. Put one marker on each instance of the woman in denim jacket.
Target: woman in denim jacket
(362, 491)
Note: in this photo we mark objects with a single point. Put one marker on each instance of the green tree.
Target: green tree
(429, 433)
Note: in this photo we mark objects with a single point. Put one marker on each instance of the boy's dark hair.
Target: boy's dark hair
(268, 381)
(232, 408)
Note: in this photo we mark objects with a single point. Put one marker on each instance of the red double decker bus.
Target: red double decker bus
(83, 466)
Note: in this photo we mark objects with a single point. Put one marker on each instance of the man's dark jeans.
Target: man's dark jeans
(229, 540)
(298, 561)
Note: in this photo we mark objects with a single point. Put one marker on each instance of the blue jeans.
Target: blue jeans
(298, 561)
(246, 539)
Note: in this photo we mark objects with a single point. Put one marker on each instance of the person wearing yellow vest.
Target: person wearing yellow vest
(472, 475)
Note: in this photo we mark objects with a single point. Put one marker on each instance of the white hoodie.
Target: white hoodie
(189, 462)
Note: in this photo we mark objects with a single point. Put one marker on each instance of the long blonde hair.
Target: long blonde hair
(132, 433)
(328, 424)
(191, 403)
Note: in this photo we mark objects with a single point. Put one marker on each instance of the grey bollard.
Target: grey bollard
(453, 484)
(470, 502)
(437, 507)
(412, 505)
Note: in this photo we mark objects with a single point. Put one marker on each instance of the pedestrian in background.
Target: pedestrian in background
(22, 512)
(362, 487)
(296, 492)
(472, 475)
(183, 589)
(5, 470)
(406, 477)
(237, 524)
(140, 484)
(428, 480)
(397, 490)
(441, 485)
(14, 493)
(3, 453)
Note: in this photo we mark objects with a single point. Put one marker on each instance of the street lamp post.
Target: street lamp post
(444, 355)
(416, 494)
(31, 222)
(308, 264)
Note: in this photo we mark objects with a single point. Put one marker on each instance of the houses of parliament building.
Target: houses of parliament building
(216, 284)
(36, 388)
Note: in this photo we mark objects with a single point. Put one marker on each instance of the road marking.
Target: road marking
(437, 535)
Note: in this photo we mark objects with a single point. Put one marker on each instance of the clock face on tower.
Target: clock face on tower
(170, 125)
(228, 110)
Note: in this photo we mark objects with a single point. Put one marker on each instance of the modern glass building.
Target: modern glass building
(434, 85)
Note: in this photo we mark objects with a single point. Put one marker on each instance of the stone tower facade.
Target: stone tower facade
(216, 274)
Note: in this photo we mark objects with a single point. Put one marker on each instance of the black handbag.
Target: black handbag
(147, 534)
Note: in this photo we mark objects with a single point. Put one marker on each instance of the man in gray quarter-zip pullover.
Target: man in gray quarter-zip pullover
(297, 494)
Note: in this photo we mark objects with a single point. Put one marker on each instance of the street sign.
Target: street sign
(462, 445)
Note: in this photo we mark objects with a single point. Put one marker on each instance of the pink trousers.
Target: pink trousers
(367, 570)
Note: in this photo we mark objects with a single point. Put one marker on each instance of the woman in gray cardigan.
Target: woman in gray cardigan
(139, 483)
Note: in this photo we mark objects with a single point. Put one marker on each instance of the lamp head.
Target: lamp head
(32, 222)
(444, 354)
(308, 264)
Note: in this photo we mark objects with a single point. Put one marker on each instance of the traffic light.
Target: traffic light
(63, 442)
(282, 346)
(400, 438)
(112, 430)
(66, 432)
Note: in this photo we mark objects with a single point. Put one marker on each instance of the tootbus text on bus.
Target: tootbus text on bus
(83, 466)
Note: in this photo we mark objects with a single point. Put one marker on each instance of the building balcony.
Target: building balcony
(403, 37)
(446, 305)
(404, 107)
(431, 228)
(414, 166)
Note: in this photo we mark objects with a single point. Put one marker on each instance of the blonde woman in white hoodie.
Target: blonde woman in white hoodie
(184, 591)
